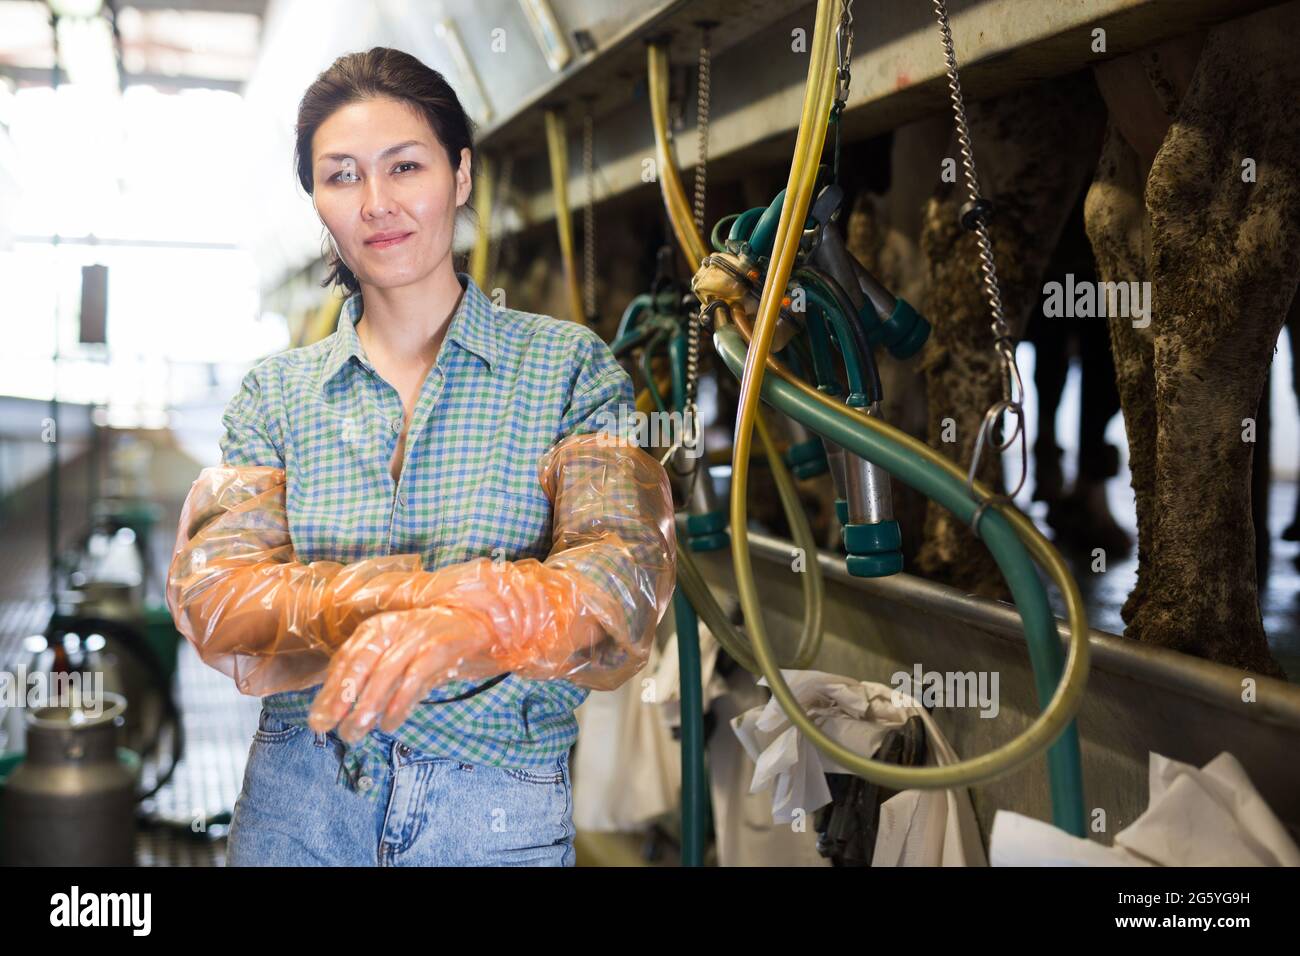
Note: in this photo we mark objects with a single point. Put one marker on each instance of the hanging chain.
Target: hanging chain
(497, 239)
(690, 414)
(589, 220)
(843, 75)
(702, 100)
(702, 128)
(844, 52)
(974, 217)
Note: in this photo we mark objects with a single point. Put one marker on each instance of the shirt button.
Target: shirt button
(365, 783)
(401, 499)
(404, 750)
(397, 426)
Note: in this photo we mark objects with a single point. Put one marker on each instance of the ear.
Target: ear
(464, 177)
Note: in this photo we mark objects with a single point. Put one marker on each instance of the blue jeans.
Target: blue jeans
(431, 811)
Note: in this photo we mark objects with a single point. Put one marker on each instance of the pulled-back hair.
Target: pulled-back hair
(378, 72)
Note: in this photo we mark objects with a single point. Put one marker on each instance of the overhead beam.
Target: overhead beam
(93, 240)
(255, 7)
(898, 76)
(42, 76)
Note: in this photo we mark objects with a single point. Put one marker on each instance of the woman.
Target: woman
(411, 716)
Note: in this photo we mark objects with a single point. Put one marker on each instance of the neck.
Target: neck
(406, 324)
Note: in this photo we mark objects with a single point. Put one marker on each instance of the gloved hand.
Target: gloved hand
(253, 611)
(587, 614)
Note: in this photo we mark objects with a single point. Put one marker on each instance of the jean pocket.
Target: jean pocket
(540, 775)
(273, 730)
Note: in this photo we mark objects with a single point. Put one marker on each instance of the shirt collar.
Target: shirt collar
(473, 328)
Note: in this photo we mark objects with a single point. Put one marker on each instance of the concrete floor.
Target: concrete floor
(1104, 594)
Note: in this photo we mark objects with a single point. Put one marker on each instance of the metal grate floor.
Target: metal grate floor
(219, 725)
(219, 721)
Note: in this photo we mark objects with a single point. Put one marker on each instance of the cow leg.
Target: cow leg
(1116, 222)
(1225, 256)
(1051, 341)
(1261, 479)
(1034, 149)
(1292, 531)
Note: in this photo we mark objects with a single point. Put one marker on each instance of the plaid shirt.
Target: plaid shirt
(506, 387)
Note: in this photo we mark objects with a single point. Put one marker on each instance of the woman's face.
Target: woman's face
(379, 171)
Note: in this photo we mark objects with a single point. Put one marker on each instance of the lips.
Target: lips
(386, 239)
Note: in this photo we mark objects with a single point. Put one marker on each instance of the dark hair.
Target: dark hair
(378, 72)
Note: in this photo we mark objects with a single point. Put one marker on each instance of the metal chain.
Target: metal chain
(690, 414)
(702, 127)
(975, 218)
(589, 220)
(843, 52)
(702, 100)
(843, 76)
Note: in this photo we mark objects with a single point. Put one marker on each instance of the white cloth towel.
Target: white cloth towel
(1213, 816)
(917, 827)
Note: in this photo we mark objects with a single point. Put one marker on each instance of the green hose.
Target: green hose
(743, 225)
(697, 590)
(849, 351)
(655, 341)
(715, 237)
(632, 314)
(629, 340)
(701, 598)
(1011, 556)
(691, 682)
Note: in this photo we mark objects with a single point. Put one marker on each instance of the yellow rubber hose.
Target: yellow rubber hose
(1060, 709)
(558, 150)
(478, 257)
(670, 181)
(680, 214)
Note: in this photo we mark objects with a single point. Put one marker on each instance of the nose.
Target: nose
(377, 201)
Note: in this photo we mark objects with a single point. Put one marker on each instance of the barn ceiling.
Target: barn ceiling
(509, 59)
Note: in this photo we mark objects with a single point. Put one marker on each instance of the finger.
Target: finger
(349, 672)
(405, 636)
(425, 673)
(414, 687)
(441, 657)
(340, 688)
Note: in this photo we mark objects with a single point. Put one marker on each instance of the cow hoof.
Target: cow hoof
(1083, 522)
(1200, 632)
(1049, 481)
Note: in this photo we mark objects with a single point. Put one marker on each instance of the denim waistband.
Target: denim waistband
(521, 733)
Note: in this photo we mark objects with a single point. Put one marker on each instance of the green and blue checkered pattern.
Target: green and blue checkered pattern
(506, 387)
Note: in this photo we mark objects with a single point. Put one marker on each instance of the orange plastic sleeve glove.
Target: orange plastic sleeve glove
(587, 614)
(238, 593)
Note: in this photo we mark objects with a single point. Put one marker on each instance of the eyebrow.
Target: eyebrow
(397, 148)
